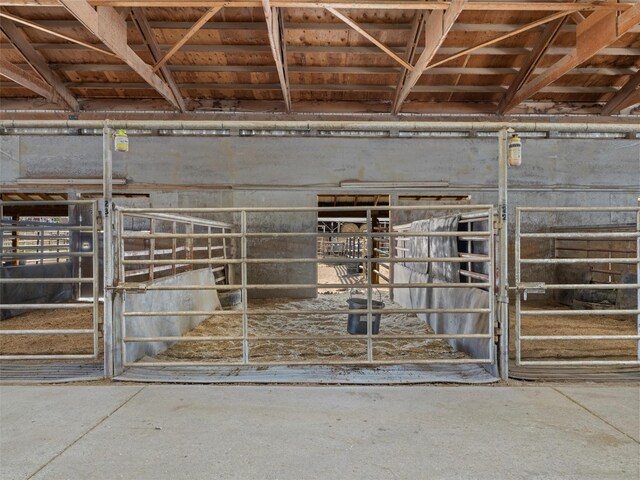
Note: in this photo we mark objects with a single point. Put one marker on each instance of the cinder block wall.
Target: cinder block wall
(269, 171)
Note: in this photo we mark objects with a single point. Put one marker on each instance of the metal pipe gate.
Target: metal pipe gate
(617, 250)
(29, 242)
(247, 261)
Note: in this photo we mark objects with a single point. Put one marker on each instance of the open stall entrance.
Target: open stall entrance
(576, 275)
(239, 298)
(50, 316)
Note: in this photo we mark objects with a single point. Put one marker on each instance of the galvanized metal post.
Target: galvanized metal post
(107, 165)
(638, 274)
(503, 226)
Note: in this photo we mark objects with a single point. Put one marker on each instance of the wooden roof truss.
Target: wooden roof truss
(454, 56)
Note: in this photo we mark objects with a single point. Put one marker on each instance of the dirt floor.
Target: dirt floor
(574, 325)
(50, 344)
(278, 324)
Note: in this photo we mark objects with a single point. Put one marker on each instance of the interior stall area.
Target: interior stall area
(49, 279)
(576, 286)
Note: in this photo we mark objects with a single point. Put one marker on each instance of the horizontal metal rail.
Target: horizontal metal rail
(592, 286)
(71, 331)
(282, 286)
(206, 261)
(42, 306)
(554, 261)
(409, 361)
(177, 313)
(578, 209)
(578, 363)
(582, 235)
(53, 227)
(579, 312)
(127, 210)
(377, 235)
(46, 280)
(304, 338)
(46, 255)
(579, 337)
(48, 357)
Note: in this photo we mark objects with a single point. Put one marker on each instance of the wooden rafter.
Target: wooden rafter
(27, 80)
(107, 25)
(369, 37)
(185, 38)
(436, 29)
(498, 39)
(31, 24)
(22, 44)
(275, 30)
(547, 38)
(140, 19)
(597, 31)
(627, 96)
(417, 26)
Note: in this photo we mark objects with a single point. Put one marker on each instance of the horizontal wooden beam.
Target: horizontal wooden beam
(213, 25)
(539, 6)
(216, 109)
(577, 89)
(364, 50)
(355, 70)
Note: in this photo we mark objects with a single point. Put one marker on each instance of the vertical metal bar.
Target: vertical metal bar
(152, 249)
(174, 246)
(188, 244)
(492, 287)
(392, 249)
(96, 275)
(245, 303)
(369, 287)
(107, 164)
(638, 274)
(224, 253)
(518, 293)
(503, 294)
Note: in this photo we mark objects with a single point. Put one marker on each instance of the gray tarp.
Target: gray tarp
(443, 272)
(43, 292)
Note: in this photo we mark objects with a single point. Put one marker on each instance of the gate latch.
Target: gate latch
(532, 287)
(132, 287)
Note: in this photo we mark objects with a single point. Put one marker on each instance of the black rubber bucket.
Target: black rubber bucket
(357, 322)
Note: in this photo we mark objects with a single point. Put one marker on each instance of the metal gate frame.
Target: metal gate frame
(94, 279)
(242, 237)
(523, 288)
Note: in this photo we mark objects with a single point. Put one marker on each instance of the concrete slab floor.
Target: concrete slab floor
(247, 432)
